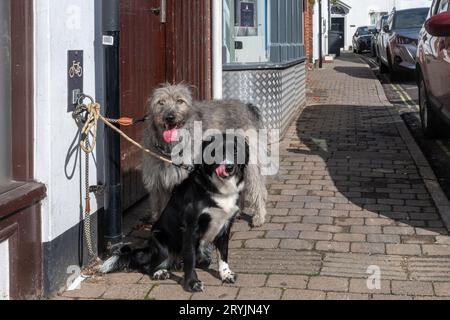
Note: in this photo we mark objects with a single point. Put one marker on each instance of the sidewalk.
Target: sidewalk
(349, 198)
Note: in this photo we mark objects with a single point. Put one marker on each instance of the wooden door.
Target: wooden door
(142, 68)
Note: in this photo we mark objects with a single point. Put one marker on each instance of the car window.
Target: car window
(390, 21)
(410, 18)
(363, 31)
(443, 6)
(434, 7)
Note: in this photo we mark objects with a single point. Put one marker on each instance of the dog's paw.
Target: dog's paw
(228, 276)
(194, 286)
(258, 221)
(204, 263)
(161, 275)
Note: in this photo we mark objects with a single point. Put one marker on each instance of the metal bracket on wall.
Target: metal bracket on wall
(75, 75)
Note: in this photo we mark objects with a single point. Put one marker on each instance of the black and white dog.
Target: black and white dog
(198, 216)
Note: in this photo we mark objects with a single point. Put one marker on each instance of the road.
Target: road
(404, 95)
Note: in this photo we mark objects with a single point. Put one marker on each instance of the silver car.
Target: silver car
(398, 45)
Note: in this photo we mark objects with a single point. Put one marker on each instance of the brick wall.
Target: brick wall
(309, 31)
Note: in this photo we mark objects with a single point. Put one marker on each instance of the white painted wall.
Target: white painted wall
(4, 270)
(59, 26)
(316, 29)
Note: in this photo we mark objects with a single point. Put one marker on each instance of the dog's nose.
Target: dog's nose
(170, 118)
(229, 168)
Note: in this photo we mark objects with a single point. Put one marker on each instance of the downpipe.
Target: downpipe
(113, 188)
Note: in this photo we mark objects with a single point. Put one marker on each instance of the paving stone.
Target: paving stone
(245, 235)
(436, 250)
(296, 244)
(289, 219)
(259, 294)
(371, 248)
(346, 296)
(303, 212)
(328, 284)
(333, 246)
(249, 280)
(442, 289)
(287, 281)
(315, 235)
(282, 234)
(127, 292)
(262, 243)
(412, 288)
(378, 222)
(331, 228)
(317, 220)
(403, 249)
(293, 294)
(349, 237)
(365, 229)
(349, 221)
(399, 230)
(300, 226)
(390, 297)
(87, 291)
(216, 293)
(270, 226)
(363, 286)
(383, 238)
(168, 292)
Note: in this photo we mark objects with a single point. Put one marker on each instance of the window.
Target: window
(443, 6)
(410, 18)
(5, 91)
(262, 31)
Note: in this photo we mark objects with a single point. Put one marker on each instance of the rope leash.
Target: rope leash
(93, 115)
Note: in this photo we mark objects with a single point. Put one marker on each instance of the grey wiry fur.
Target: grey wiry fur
(176, 100)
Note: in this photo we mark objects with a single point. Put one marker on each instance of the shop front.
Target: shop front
(264, 57)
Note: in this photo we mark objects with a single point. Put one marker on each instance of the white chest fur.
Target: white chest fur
(226, 201)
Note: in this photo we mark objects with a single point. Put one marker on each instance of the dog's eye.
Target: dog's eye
(161, 102)
(180, 101)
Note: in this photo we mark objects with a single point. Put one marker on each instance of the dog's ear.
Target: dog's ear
(195, 91)
(242, 149)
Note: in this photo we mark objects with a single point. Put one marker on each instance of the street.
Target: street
(404, 95)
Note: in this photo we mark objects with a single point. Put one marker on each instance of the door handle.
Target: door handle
(161, 11)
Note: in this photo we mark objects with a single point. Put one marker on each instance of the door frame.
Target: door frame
(20, 217)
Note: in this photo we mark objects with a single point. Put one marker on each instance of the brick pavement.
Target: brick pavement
(348, 198)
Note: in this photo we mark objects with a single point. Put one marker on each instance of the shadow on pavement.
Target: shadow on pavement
(367, 161)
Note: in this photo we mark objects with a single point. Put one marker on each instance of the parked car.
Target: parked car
(433, 70)
(378, 35)
(362, 39)
(399, 41)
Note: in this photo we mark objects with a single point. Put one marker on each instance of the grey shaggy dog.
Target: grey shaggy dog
(172, 107)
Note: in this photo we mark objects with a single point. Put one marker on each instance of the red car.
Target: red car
(433, 70)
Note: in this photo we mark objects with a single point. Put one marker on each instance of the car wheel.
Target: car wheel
(383, 67)
(393, 75)
(431, 124)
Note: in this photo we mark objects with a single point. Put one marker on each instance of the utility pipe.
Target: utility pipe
(113, 187)
(217, 82)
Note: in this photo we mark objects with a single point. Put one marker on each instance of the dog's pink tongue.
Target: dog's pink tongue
(170, 135)
(221, 171)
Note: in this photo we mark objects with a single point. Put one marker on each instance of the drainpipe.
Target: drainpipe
(320, 35)
(217, 7)
(113, 189)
